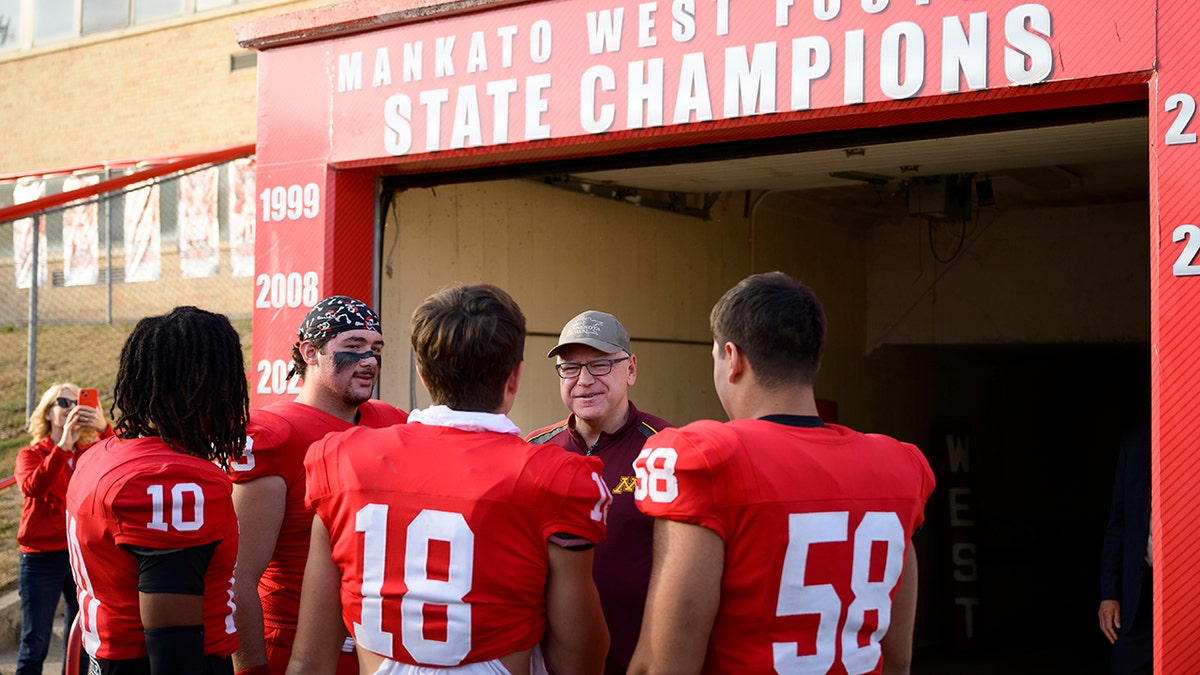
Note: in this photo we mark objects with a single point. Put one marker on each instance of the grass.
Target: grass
(84, 354)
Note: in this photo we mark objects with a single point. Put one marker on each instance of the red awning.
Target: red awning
(154, 168)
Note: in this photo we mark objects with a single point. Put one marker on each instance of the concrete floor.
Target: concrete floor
(10, 622)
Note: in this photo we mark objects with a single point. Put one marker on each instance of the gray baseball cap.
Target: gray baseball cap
(594, 329)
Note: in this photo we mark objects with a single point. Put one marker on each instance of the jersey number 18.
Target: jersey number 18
(429, 525)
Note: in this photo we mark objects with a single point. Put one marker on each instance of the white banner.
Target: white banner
(241, 216)
(142, 235)
(81, 237)
(199, 230)
(23, 236)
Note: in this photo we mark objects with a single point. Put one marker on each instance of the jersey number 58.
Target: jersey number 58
(655, 469)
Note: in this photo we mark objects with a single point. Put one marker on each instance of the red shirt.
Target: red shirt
(43, 471)
(441, 535)
(143, 493)
(278, 437)
(816, 522)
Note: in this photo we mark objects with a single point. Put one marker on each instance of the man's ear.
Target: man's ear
(510, 390)
(308, 352)
(738, 364)
(632, 377)
(514, 380)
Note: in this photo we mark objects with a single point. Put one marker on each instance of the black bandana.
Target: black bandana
(338, 314)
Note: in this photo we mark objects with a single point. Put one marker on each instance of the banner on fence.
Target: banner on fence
(143, 253)
(23, 236)
(199, 230)
(241, 217)
(81, 237)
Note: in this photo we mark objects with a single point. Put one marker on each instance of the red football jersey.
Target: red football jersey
(278, 437)
(815, 521)
(440, 535)
(142, 493)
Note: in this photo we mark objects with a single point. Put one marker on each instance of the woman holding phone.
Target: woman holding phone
(61, 429)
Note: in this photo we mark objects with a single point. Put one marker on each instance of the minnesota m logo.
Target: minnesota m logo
(627, 484)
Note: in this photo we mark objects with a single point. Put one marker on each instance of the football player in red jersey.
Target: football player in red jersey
(782, 543)
(337, 353)
(151, 531)
(449, 543)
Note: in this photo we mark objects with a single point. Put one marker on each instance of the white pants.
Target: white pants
(536, 667)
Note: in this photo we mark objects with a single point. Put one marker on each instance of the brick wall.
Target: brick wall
(141, 92)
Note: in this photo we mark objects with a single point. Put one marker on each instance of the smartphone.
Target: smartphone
(89, 397)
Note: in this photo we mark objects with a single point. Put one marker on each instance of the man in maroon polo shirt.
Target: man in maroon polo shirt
(596, 367)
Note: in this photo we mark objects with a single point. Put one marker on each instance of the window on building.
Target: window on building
(156, 10)
(202, 5)
(102, 15)
(53, 20)
(59, 20)
(10, 24)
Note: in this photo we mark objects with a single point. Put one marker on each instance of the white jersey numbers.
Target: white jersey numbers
(175, 502)
(371, 520)
(796, 597)
(246, 462)
(89, 606)
(446, 587)
(600, 510)
(655, 471)
(438, 572)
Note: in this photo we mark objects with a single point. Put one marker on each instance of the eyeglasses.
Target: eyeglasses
(598, 368)
(65, 402)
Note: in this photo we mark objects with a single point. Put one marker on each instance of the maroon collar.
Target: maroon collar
(605, 438)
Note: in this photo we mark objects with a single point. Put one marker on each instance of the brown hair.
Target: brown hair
(467, 341)
(779, 325)
(299, 365)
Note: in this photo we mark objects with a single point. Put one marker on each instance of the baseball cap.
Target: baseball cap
(594, 329)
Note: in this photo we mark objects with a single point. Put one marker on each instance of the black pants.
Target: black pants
(213, 665)
(1133, 652)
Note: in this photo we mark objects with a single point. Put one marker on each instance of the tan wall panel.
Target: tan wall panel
(559, 253)
(1048, 275)
(1067, 274)
(825, 249)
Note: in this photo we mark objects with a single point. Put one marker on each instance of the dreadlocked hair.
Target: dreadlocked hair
(181, 378)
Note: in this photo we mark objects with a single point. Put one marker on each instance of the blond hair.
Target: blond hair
(39, 426)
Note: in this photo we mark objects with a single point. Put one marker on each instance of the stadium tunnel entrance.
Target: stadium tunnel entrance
(982, 259)
(992, 309)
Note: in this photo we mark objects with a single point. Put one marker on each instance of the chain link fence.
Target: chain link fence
(102, 264)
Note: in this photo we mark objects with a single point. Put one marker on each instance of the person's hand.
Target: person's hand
(89, 418)
(1110, 618)
(98, 422)
(73, 427)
